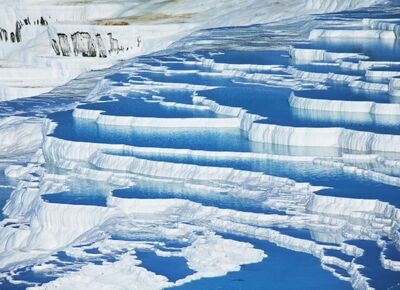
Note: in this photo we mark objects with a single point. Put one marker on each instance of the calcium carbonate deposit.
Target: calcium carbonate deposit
(197, 145)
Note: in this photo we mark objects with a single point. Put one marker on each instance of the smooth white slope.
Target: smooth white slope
(151, 26)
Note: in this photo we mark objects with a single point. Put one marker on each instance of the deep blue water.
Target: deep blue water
(192, 78)
(191, 138)
(34, 277)
(341, 92)
(381, 278)
(274, 57)
(293, 232)
(174, 268)
(89, 131)
(339, 270)
(83, 192)
(395, 68)
(183, 97)
(141, 108)
(70, 197)
(339, 254)
(392, 252)
(184, 138)
(281, 270)
(273, 103)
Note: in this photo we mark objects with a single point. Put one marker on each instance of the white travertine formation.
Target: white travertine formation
(394, 87)
(351, 33)
(35, 230)
(329, 137)
(306, 55)
(344, 106)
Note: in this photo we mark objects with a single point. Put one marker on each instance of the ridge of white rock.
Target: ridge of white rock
(38, 231)
(384, 24)
(369, 86)
(206, 62)
(90, 152)
(222, 225)
(128, 121)
(307, 55)
(351, 33)
(381, 74)
(227, 224)
(322, 77)
(344, 165)
(330, 6)
(127, 164)
(330, 137)
(363, 65)
(326, 137)
(19, 135)
(344, 106)
(245, 118)
(394, 86)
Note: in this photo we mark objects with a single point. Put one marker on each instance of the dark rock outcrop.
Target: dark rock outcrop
(64, 44)
(15, 36)
(43, 21)
(113, 43)
(18, 27)
(100, 45)
(83, 44)
(3, 35)
(55, 46)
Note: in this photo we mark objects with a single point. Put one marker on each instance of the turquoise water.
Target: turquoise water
(83, 192)
(273, 103)
(285, 267)
(141, 108)
(70, 197)
(174, 268)
(341, 92)
(282, 269)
